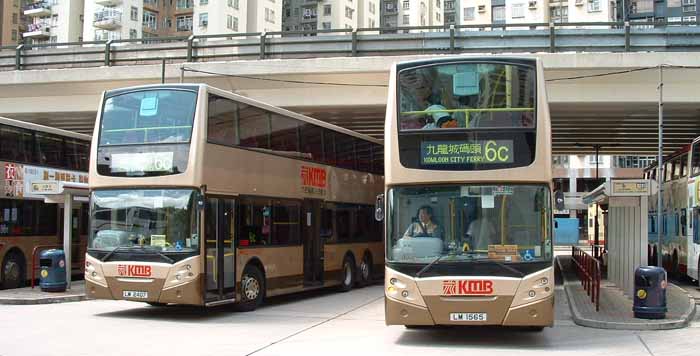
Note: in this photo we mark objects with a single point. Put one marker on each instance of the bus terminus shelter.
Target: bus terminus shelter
(627, 230)
(58, 192)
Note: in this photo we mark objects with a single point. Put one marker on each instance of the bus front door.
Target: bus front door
(313, 243)
(220, 253)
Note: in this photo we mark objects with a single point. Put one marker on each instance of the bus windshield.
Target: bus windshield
(147, 117)
(162, 219)
(465, 223)
(467, 96)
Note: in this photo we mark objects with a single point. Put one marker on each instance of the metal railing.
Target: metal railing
(497, 38)
(588, 272)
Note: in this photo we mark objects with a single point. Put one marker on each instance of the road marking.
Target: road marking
(645, 345)
(315, 325)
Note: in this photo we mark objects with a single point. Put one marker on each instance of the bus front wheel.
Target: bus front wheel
(13, 271)
(252, 289)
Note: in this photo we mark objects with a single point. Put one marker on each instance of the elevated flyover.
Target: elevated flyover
(595, 97)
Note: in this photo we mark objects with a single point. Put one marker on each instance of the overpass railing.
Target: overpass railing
(510, 38)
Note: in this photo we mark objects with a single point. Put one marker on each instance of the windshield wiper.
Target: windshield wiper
(435, 261)
(108, 255)
(505, 266)
(170, 260)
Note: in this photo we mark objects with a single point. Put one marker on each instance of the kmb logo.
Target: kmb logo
(478, 287)
(134, 271)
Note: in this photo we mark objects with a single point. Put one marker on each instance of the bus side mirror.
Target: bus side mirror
(379, 208)
(559, 200)
(556, 224)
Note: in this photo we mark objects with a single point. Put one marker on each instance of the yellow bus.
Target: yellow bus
(468, 203)
(204, 197)
(29, 153)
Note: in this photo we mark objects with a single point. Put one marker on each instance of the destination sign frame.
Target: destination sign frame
(461, 152)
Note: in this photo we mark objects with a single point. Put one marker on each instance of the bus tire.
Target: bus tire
(13, 271)
(347, 274)
(252, 289)
(365, 270)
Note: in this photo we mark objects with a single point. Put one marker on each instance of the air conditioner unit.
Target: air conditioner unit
(532, 4)
(482, 8)
(579, 2)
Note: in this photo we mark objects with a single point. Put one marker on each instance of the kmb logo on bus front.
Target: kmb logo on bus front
(134, 271)
(471, 287)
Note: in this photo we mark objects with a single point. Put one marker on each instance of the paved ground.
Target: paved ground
(321, 323)
(34, 295)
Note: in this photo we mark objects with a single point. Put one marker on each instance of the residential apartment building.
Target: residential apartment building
(402, 13)
(12, 22)
(113, 19)
(640, 11)
(225, 16)
(50, 21)
(305, 15)
(451, 13)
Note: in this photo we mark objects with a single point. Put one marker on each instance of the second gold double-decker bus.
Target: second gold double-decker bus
(468, 203)
(203, 197)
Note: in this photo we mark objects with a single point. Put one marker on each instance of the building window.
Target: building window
(203, 19)
(437, 16)
(229, 22)
(203, 2)
(689, 18)
(518, 11)
(326, 10)
(559, 14)
(14, 35)
(269, 15)
(468, 14)
(134, 13)
(184, 4)
(406, 20)
(641, 6)
(150, 19)
(326, 25)
(498, 13)
(14, 18)
(372, 7)
(406, 5)
(348, 12)
(593, 5)
(133, 34)
(449, 5)
(235, 4)
(183, 23)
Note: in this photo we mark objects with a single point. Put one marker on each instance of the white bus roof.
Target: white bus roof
(42, 128)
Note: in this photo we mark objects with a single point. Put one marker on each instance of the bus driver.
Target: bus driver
(424, 227)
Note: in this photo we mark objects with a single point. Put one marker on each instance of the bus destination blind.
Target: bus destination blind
(466, 152)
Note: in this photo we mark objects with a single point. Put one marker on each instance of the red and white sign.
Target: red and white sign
(134, 271)
(313, 180)
(470, 287)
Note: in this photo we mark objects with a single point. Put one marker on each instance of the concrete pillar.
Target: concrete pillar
(67, 230)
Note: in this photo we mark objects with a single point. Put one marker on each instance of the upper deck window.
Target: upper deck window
(467, 96)
(695, 159)
(148, 117)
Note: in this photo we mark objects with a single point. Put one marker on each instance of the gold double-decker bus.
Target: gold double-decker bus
(468, 203)
(203, 197)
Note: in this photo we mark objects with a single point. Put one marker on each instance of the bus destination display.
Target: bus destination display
(466, 152)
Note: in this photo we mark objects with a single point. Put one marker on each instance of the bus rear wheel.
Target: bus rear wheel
(348, 274)
(13, 271)
(365, 271)
(252, 289)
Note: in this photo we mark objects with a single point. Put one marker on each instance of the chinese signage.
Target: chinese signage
(313, 180)
(470, 287)
(630, 187)
(466, 152)
(45, 187)
(19, 179)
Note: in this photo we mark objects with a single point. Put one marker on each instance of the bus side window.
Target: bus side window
(696, 221)
(684, 222)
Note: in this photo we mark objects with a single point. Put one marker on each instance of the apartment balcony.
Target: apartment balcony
(306, 19)
(107, 20)
(38, 9)
(108, 2)
(37, 31)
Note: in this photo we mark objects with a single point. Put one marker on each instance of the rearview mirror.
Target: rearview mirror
(559, 200)
(379, 208)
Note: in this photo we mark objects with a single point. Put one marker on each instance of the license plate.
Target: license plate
(468, 317)
(135, 294)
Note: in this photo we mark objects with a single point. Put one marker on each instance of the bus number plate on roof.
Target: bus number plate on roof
(466, 152)
(468, 317)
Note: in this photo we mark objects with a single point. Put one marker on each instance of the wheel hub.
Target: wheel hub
(251, 288)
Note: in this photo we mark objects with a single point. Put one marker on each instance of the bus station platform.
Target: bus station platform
(27, 295)
(616, 308)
